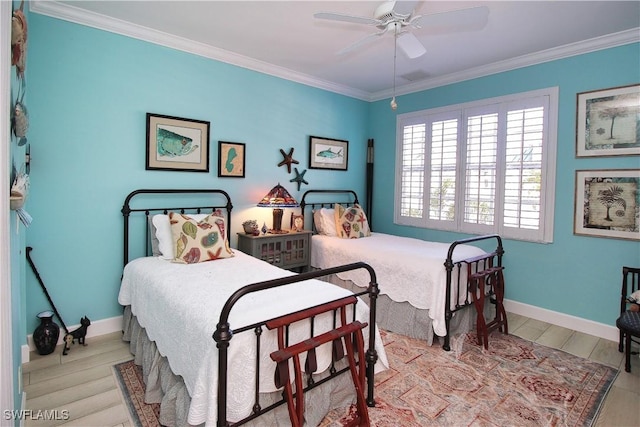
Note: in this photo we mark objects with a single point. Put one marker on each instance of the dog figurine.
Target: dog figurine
(79, 334)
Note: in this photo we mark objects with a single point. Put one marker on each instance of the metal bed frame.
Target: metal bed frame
(224, 332)
(475, 265)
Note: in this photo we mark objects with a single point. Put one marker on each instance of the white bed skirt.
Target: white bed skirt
(168, 389)
(405, 319)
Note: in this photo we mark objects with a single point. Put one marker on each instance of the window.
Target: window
(481, 167)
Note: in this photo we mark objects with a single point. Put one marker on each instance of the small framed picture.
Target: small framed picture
(608, 122)
(607, 203)
(325, 153)
(297, 222)
(177, 144)
(231, 159)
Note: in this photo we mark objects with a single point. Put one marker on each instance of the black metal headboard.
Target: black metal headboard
(219, 200)
(344, 197)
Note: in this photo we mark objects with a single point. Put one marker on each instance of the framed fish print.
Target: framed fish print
(608, 203)
(231, 157)
(177, 144)
(608, 122)
(325, 153)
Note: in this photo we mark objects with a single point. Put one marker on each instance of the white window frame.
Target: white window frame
(544, 234)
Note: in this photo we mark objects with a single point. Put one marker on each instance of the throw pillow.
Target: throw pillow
(199, 241)
(351, 222)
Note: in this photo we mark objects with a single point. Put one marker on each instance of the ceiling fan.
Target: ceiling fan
(398, 17)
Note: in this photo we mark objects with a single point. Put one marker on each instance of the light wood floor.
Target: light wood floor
(82, 382)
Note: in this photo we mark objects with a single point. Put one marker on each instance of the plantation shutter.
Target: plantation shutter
(442, 183)
(412, 171)
(480, 169)
(523, 165)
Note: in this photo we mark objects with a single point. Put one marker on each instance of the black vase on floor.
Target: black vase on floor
(45, 336)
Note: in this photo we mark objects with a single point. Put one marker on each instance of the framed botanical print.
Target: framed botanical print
(607, 203)
(608, 122)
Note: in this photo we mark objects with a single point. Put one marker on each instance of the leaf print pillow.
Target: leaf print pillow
(199, 241)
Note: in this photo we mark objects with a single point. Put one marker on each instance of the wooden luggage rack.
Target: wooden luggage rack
(487, 281)
(347, 332)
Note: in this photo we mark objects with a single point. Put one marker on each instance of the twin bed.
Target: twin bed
(416, 277)
(202, 330)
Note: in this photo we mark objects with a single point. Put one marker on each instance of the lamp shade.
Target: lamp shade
(278, 197)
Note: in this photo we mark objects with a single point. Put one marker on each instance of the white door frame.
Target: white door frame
(6, 330)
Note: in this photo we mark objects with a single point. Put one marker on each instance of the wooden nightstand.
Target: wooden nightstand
(289, 251)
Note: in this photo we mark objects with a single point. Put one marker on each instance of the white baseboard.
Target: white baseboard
(579, 324)
(100, 327)
(25, 349)
(600, 330)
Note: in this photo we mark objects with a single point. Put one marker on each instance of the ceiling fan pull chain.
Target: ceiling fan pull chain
(394, 104)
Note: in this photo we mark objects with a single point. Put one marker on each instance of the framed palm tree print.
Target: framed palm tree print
(608, 203)
(608, 122)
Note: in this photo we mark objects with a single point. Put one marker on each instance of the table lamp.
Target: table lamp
(277, 199)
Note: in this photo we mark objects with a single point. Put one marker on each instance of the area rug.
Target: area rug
(131, 383)
(514, 383)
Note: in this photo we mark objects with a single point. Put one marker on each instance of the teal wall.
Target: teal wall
(576, 275)
(89, 93)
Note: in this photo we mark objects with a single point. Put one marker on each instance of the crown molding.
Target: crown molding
(76, 15)
(566, 51)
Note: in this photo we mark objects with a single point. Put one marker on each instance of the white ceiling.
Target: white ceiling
(283, 38)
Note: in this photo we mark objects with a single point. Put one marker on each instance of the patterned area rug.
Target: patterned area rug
(129, 378)
(514, 383)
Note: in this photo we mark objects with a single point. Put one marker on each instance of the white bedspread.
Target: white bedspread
(179, 306)
(407, 269)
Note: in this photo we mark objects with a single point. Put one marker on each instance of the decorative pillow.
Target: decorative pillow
(199, 241)
(161, 239)
(155, 243)
(329, 221)
(351, 222)
(317, 221)
(325, 222)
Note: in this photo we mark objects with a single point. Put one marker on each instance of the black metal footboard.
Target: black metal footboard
(224, 334)
(475, 265)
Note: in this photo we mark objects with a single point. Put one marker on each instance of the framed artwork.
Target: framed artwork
(177, 144)
(327, 153)
(297, 222)
(608, 122)
(608, 203)
(231, 158)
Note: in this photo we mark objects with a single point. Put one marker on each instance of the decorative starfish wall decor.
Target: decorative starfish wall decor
(288, 160)
(299, 178)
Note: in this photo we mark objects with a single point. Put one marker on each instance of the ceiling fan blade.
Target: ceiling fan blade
(346, 18)
(404, 7)
(471, 19)
(363, 41)
(410, 45)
